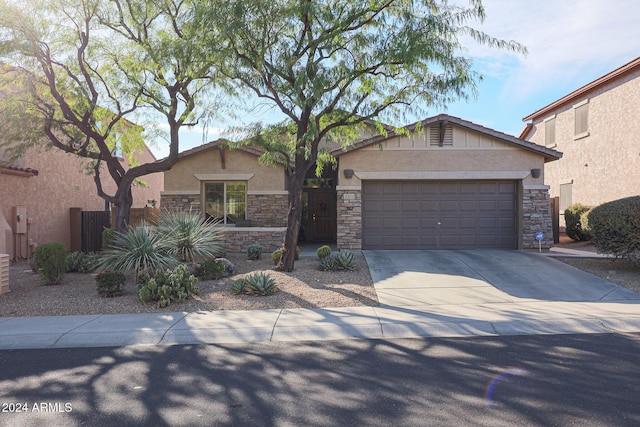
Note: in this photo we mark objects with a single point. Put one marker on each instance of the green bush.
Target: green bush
(108, 234)
(190, 235)
(573, 220)
(50, 260)
(323, 251)
(255, 284)
(110, 283)
(254, 251)
(211, 269)
(168, 286)
(80, 262)
(616, 228)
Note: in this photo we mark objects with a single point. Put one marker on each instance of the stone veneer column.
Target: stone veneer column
(349, 219)
(536, 216)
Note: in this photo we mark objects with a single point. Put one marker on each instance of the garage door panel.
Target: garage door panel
(432, 214)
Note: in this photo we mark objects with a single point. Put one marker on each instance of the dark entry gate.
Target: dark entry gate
(86, 229)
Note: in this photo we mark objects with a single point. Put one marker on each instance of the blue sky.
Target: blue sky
(570, 43)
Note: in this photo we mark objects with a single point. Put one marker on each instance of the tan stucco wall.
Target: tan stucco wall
(603, 166)
(60, 185)
(472, 156)
(182, 177)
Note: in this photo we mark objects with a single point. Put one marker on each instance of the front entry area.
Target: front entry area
(319, 208)
(439, 214)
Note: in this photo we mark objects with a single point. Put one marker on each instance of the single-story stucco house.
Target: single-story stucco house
(450, 184)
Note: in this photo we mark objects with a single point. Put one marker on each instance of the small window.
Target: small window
(550, 132)
(438, 140)
(581, 119)
(225, 201)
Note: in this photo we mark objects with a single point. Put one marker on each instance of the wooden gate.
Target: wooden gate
(86, 229)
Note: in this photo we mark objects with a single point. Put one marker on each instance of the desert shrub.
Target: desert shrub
(190, 235)
(228, 266)
(323, 251)
(211, 269)
(573, 220)
(255, 284)
(108, 234)
(110, 283)
(615, 227)
(50, 260)
(339, 261)
(168, 286)
(141, 250)
(254, 251)
(81, 262)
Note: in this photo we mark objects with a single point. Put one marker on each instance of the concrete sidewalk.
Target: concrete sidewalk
(474, 313)
(319, 324)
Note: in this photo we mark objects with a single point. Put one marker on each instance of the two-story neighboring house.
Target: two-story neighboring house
(596, 127)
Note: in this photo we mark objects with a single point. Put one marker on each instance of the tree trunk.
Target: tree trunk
(123, 211)
(293, 225)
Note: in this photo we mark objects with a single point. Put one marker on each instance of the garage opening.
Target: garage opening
(439, 214)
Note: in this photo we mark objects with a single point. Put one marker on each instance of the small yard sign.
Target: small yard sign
(539, 238)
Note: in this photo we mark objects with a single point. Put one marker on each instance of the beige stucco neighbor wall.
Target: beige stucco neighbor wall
(60, 185)
(473, 156)
(604, 165)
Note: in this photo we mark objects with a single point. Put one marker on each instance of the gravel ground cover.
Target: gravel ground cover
(305, 287)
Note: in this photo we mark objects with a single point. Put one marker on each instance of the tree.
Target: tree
(80, 68)
(333, 65)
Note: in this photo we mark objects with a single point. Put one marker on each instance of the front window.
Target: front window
(225, 201)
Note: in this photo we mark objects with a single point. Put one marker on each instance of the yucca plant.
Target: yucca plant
(141, 250)
(191, 236)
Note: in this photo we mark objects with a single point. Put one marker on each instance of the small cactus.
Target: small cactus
(259, 284)
(323, 251)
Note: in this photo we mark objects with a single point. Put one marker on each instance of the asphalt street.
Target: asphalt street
(543, 380)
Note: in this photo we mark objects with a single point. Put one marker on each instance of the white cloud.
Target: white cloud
(570, 42)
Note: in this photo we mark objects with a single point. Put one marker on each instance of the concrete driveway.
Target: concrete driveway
(454, 277)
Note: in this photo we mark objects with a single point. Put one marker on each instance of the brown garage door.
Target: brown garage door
(438, 214)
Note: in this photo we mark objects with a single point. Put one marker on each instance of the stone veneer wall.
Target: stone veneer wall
(238, 238)
(181, 202)
(349, 218)
(267, 213)
(536, 216)
(267, 210)
(264, 210)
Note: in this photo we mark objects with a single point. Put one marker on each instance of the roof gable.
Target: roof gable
(547, 153)
(219, 144)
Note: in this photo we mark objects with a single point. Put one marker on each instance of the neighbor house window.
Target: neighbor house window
(550, 132)
(225, 201)
(581, 119)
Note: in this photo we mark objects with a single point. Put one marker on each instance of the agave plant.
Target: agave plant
(141, 250)
(191, 236)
